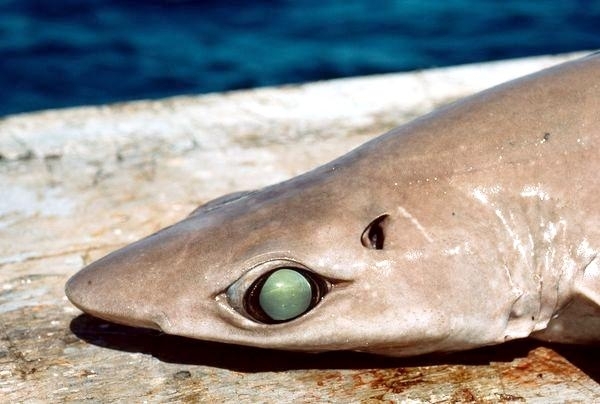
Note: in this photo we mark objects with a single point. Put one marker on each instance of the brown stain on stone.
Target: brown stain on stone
(323, 377)
(394, 381)
(451, 382)
(541, 365)
(463, 395)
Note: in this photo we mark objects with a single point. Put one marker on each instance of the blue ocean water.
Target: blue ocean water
(56, 53)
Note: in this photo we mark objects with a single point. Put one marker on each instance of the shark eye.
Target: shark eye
(283, 294)
(277, 291)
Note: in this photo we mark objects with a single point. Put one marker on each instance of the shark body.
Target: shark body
(473, 225)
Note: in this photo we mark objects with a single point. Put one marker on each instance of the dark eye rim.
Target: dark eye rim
(318, 287)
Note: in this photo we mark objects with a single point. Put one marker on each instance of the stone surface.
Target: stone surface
(76, 184)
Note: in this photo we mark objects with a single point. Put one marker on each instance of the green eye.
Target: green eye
(285, 294)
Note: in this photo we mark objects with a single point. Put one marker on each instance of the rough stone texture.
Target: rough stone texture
(78, 183)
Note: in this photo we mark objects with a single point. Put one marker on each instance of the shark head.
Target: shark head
(329, 260)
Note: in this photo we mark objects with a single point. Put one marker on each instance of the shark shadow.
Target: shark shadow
(181, 350)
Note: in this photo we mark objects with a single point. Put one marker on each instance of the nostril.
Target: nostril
(374, 234)
(79, 289)
(72, 290)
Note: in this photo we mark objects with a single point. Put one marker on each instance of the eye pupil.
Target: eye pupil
(285, 294)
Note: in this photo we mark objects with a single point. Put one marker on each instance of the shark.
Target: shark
(473, 225)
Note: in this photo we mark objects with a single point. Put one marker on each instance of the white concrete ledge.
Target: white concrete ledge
(263, 116)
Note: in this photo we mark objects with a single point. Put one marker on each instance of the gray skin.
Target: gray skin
(492, 234)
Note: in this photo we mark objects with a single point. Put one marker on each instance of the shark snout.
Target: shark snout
(104, 290)
(135, 285)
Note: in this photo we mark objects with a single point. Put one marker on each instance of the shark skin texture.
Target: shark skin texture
(473, 225)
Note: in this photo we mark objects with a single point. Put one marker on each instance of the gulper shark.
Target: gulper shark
(473, 225)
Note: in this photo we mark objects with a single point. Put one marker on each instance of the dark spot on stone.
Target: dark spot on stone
(89, 282)
(463, 396)
(52, 156)
(453, 213)
(28, 155)
(546, 137)
(86, 373)
(182, 375)
(504, 397)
